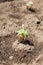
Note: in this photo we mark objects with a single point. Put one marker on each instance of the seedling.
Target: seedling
(29, 4)
(22, 34)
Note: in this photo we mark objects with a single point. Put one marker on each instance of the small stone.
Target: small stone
(27, 47)
(11, 57)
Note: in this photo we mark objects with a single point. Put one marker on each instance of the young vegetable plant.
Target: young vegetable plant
(22, 35)
(29, 4)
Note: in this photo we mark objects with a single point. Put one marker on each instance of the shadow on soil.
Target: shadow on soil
(32, 10)
(28, 42)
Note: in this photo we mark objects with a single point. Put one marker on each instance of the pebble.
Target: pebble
(11, 57)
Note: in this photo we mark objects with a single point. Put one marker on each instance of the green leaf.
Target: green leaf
(23, 32)
(20, 31)
(26, 33)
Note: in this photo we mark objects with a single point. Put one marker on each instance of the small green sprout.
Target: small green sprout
(22, 34)
(29, 4)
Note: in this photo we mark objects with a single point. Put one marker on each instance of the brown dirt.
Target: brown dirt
(12, 15)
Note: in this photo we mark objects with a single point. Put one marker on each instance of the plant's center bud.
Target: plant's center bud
(31, 3)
